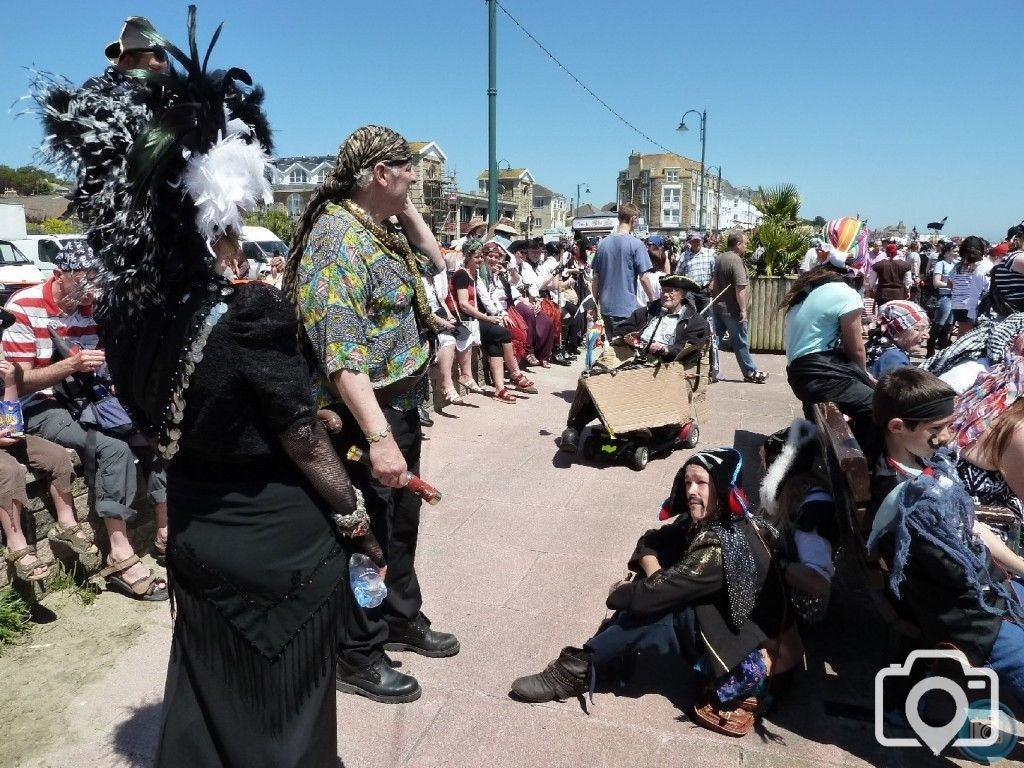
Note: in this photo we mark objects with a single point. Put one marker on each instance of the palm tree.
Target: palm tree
(779, 202)
(779, 232)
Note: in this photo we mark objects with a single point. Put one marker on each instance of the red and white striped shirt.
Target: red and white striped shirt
(27, 341)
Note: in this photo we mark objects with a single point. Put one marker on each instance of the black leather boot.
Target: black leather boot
(563, 678)
(377, 682)
(418, 637)
(425, 419)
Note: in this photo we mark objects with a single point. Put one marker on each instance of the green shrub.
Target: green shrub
(14, 615)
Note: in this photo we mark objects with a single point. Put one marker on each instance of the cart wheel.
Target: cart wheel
(590, 447)
(640, 457)
(693, 438)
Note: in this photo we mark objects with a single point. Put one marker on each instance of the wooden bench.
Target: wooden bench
(851, 490)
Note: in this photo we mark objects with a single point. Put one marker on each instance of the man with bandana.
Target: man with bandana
(357, 283)
(705, 589)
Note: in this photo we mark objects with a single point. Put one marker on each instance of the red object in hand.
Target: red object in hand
(414, 483)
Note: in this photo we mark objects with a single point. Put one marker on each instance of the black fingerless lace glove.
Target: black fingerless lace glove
(307, 444)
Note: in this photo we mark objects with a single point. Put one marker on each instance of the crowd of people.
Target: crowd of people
(943, 435)
(139, 345)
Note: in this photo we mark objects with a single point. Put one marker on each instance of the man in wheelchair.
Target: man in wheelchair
(669, 326)
(669, 329)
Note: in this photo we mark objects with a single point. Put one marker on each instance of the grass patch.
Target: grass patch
(14, 616)
(72, 582)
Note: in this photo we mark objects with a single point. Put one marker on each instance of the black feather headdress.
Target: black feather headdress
(165, 164)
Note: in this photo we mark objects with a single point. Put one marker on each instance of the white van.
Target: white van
(16, 270)
(259, 244)
(43, 249)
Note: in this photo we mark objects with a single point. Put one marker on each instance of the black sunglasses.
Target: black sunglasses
(158, 53)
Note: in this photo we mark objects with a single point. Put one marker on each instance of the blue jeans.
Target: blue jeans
(739, 339)
(1006, 658)
(943, 311)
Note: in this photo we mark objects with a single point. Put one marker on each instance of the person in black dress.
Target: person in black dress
(261, 509)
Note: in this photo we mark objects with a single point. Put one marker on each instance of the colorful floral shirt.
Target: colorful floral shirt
(357, 305)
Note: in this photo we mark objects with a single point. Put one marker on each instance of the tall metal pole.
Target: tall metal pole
(492, 112)
(703, 148)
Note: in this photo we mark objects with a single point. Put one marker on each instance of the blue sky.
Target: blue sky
(905, 110)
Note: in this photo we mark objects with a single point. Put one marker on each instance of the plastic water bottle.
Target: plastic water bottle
(367, 585)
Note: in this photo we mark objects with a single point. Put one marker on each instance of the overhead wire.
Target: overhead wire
(580, 83)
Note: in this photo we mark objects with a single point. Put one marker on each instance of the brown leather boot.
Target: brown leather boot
(563, 678)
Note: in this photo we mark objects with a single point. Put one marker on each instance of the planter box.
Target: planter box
(767, 324)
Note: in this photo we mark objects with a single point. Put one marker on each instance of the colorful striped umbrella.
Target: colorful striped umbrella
(849, 234)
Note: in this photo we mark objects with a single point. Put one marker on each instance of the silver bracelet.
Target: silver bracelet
(357, 522)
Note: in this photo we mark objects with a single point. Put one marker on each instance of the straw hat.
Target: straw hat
(506, 227)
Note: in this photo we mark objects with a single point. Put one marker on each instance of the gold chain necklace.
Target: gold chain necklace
(397, 246)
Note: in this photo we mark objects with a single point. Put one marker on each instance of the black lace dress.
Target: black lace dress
(256, 567)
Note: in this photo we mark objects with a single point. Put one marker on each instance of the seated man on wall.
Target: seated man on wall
(705, 589)
(62, 307)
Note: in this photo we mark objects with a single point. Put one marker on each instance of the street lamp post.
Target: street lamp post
(586, 188)
(703, 147)
(718, 207)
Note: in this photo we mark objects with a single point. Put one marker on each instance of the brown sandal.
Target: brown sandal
(504, 396)
(75, 537)
(145, 589)
(24, 571)
(736, 722)
(523, 384)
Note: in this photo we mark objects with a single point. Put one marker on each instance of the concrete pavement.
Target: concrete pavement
(517, 560)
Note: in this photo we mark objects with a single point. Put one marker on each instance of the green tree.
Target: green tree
(27, 180)
(779, 233)
(274, 219)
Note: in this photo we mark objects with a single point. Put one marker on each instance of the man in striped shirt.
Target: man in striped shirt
(63, 305)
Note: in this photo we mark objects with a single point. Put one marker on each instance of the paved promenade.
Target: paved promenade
(517, 560)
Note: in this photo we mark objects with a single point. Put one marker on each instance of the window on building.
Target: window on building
(295, 204)
(645, 195)
(298, 176)
(671, 175)
(670, 205)
(539, 202)
(320, 176)
(536, 221)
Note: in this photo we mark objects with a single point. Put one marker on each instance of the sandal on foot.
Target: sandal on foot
(26, 571)
(532, 360)
(452, 396)
(471, 386)
(504, 396)
(758, 377)
(76, 537)
(148, 588)
(523, 384)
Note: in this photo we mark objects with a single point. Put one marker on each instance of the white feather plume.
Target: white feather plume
(225, 183)
(800, 433)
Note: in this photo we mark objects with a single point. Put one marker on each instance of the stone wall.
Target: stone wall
(39, 517)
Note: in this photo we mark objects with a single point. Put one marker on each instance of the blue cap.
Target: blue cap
(655, 240)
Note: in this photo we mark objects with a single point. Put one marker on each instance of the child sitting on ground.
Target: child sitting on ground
(902, 330)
